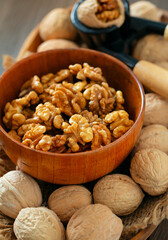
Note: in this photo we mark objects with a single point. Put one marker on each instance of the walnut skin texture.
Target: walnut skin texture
(92, 222)
(149, 168)
(153, 136)
(38, 223)
(65, 201)
(17, 191)
(118, 192)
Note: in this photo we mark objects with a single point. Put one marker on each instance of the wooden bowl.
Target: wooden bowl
(73, 168)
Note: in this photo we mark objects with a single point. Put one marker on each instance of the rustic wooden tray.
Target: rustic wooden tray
(31, 43)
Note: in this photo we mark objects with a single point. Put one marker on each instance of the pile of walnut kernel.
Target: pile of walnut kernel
(70, 111)
(108, 10)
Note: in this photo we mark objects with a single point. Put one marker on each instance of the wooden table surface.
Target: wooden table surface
(18, 18)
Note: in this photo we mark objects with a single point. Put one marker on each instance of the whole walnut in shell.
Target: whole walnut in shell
(87, 14)
(38, 223)
(156, 110)
(153, 136)
(144, 9)
(118, 192)
(65, 201)
(56, 44)
(94, 222)
(149, 168)
(18, 190)
(57, 24)
(153, 48)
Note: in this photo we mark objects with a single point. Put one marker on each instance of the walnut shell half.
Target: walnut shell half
(65, 201)
(87, 15)
(119, 192)
(18, 190)
(94, 221)
(149, 168)
(38, 223)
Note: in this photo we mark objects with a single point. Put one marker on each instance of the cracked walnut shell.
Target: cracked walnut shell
(118, 192)
(94, 221)
(18, 190)
(65, 201)
(89, 13)
(38, 223)
(149, 168)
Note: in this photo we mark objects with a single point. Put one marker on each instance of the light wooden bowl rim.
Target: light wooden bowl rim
(38, 55)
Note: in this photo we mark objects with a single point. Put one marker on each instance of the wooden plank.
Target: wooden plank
(145, 233)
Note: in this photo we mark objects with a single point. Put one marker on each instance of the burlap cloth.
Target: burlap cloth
(152, 210)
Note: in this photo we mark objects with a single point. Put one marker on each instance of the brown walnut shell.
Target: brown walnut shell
(18, 190)
(149, 168)
(65, 201)
(119, 192)
(94, 221)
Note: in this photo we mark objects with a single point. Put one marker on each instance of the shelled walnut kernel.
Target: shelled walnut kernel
(70, 111)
